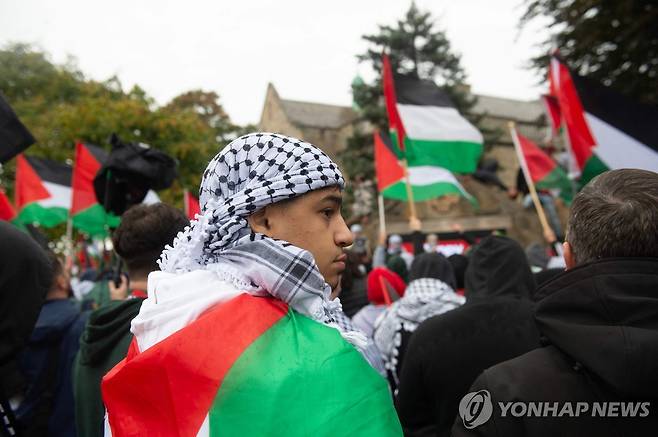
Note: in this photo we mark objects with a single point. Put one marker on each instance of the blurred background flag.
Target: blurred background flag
(192, 207)
(7, 211)
(14, 137)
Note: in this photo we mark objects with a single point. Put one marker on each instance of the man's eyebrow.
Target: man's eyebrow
(333, 198)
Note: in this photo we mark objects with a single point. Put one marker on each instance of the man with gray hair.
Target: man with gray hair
(596, 372)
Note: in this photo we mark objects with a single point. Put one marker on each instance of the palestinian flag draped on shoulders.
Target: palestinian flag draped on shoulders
(247, 366)
(606, 130)
(430, 133)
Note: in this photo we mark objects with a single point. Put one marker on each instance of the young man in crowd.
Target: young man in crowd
(139, 240)
(596, 374)
(239, 334)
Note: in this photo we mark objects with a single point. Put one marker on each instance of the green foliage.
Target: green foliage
(415, 47)
(60, 107)
(613, 42)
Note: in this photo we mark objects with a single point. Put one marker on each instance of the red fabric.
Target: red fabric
(580, 138)
(539, 163)
(191, 205)
(553, 111)
(169, 388)
(375, 291)
(29, 187)
(138, 293)
(388, 170)
(6, 208)
(84, 171)
(394, 120)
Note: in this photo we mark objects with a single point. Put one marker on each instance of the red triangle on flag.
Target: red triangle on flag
(394, 119)
(387, 167)
(539, 163)
(29, 186)
(7, 211)
(192, 207)
(84, 170)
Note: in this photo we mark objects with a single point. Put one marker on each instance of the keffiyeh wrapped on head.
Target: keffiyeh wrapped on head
(252, 172)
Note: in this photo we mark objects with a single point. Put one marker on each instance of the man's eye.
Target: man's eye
(328, 212)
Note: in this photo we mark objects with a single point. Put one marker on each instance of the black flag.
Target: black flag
(14, 137)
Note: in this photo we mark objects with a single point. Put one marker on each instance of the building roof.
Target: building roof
(318, 114)
(518, 110)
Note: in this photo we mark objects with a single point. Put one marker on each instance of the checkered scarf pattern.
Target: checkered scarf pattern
(254, 171)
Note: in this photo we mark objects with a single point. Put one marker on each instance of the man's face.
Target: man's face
(313, 222)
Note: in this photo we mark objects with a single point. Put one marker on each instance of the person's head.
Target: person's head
(265, 192)
(313, 222)
(25, 278)
(498, 267)
(60, 287)
(395, 243)
(434, 266)
(432, 241)
(379, 278)
(144, 232)
(398, 265)
(614, 215)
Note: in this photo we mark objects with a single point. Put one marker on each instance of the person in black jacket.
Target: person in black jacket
(449, 351)
(596, 374)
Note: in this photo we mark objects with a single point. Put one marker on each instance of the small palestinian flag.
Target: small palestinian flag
(87, 214)
(426, 126)
(249, 366)
(43, 191)
(192, 207)
(544, 172)
(7, 211)
(606, 130)
(427, 181)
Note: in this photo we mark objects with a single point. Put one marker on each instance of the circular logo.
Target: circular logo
(475, 408)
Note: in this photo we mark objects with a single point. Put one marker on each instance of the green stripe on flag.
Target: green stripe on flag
(300, 378)
(593, 167)
(93, 220)
(44, 216)
(421, 193)
(456, 156)
(557, 179)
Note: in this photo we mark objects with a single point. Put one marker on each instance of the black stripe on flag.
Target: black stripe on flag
(413, 91)
(633, 118)
(99, 153)
(14, 137)
(51, 171)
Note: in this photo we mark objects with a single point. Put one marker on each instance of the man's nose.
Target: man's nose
(343, 236)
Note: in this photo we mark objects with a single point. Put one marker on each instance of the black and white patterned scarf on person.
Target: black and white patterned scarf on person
(254, 171)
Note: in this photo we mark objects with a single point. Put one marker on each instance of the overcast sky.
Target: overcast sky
(306, 48)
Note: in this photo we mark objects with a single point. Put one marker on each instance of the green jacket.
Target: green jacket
(103, 344)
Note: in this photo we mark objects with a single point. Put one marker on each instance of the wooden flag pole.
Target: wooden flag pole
(382, 214)
(526, 174)
(410, 194)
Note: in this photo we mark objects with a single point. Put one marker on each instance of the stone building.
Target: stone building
(329, 126)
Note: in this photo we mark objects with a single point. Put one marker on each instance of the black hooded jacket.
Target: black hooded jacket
(599, 322)
(447, 352)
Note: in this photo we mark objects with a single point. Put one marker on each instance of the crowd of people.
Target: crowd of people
(278, 319)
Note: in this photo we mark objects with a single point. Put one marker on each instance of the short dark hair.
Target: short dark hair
(615, 215)
(144, 232)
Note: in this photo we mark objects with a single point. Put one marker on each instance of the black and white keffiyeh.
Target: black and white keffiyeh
(252, 172)
(423, 298)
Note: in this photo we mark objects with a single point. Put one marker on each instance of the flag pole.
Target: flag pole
(526, 174)
(410, 194)
(382, 214)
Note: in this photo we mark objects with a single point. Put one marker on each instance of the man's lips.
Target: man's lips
(340, 261)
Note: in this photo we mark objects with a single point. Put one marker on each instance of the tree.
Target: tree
(615, 43)
(415, 47)
(61, 106)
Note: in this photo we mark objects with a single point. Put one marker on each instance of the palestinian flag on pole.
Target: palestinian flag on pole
(426, 126)
(605, 129)
(87, 214)
(249, 366)
(427, 182)
(43, 191)
(544, 172)
(192, 207)
(7, 211)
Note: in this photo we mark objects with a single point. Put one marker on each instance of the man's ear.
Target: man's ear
(569, 258)
(259, 221)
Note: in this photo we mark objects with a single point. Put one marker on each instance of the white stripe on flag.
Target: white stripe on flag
(437, 123)
(427, 175)
(60, 196)
(619, 150)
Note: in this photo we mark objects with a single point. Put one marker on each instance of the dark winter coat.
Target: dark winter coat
(600, 325)
(450, 350)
